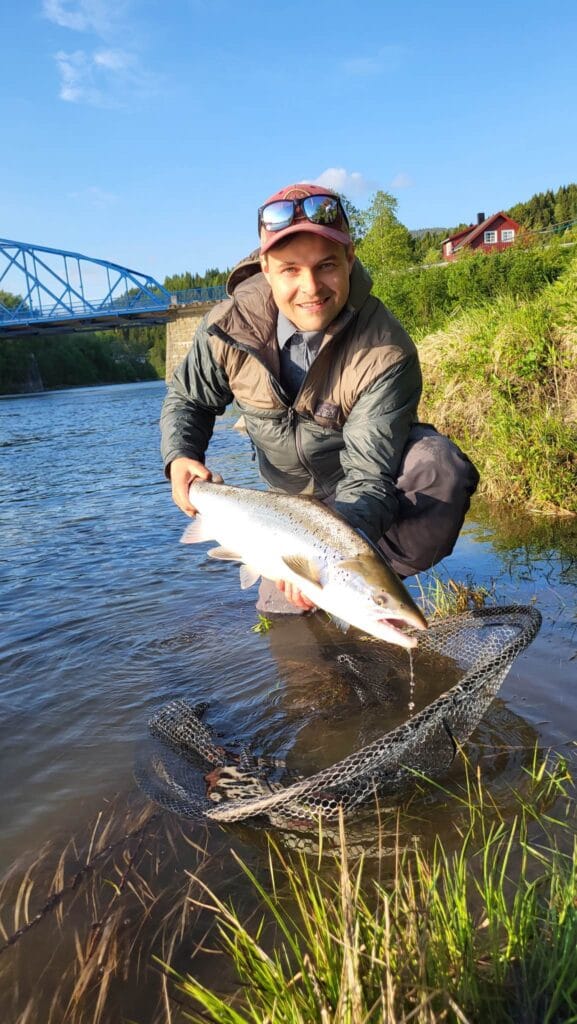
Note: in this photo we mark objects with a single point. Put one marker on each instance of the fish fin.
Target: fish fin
(224, 555)
(248, 576)
(340, 623)
(197, 532)
(305, 567)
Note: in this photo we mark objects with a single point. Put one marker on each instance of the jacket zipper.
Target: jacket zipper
(281, 394)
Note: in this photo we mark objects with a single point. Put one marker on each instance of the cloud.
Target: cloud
(77, 79)
(95, 196)
(341, 180)
(98, 75)
(388, 58)
(99, 16)
(402, 180)
(104, 78)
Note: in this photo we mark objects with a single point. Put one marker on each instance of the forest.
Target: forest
(402, 263)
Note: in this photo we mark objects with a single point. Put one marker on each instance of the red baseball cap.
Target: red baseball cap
(337, 229)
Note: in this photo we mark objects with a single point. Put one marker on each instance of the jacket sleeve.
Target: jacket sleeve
(199, 392)
(375, 434)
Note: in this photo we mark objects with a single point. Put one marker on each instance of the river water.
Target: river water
(105, 617)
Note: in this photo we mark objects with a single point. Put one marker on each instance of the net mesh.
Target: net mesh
(190, 774)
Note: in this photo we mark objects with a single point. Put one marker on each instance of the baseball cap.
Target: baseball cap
(302, 207)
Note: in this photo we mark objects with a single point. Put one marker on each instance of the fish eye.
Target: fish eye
(382, 599)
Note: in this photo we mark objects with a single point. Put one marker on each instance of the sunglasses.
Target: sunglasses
(281, 213)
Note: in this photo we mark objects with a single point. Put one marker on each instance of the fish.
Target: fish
(299, 540)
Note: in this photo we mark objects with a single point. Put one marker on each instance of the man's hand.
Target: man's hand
(182, 472)
(294, 595)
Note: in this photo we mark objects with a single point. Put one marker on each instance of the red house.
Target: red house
(490, 234)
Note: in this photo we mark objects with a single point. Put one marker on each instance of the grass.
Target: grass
(485, 930)
(440, 598)
(78, 926)
(502, 380)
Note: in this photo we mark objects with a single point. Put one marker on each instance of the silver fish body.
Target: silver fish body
(301, 541)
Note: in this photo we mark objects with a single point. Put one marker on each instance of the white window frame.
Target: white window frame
(508, 235)
(490, 237)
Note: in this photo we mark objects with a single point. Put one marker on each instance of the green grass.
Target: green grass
(502, 380)
(439, 598)
(480, 928)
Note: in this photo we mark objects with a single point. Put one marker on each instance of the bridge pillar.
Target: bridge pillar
(180, 332)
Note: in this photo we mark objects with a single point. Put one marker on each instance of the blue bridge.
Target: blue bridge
(50, 290)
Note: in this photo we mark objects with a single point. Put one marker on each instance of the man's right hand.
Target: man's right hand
(182, 472)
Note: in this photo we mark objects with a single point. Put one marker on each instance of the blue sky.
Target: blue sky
(149, 132)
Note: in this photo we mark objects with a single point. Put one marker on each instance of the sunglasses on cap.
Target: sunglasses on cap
(281, 213)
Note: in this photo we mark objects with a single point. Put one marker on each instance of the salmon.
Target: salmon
(299, 540)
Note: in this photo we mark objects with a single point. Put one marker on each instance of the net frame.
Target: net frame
(483, 643)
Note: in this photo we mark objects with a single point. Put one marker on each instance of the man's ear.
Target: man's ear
(350, 251)
(264, 263)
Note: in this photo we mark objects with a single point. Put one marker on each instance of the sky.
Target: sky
(148, 133)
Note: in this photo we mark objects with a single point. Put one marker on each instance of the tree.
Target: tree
(357, 219)
(8, 300)
(387, 244)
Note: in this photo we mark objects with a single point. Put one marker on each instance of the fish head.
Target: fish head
(391, 607)
(398, 611)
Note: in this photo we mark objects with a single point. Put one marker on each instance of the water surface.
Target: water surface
(105, 617)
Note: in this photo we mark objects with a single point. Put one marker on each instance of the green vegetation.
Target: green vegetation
(439, 598)
(546, 209)
(68, 360)
(502, 379)
(481, 926)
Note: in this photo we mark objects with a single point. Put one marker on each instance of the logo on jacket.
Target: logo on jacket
(327, 411)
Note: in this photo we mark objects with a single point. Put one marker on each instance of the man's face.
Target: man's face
(309, 278)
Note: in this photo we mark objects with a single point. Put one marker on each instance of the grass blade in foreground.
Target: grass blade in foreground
(485, 932)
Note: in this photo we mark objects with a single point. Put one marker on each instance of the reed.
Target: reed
(481, 929)
(439, 597)
(78, 926)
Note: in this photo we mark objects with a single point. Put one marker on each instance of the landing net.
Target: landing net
(192, 775)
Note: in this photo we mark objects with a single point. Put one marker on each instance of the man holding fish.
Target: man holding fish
(328, 384)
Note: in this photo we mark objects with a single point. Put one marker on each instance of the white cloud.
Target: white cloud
(388, 58)
(77, 82)
(99, 16)
(95, 196)
(341, 180)
(104, 78)
(402, 180)
(114, 60)
(98, 75)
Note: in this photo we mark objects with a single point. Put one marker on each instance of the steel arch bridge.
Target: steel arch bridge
(52, 290)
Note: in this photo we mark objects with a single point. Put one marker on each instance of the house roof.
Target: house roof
(474, 230)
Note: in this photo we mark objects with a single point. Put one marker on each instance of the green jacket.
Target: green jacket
(344, 433)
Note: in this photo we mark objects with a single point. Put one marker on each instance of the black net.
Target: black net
(190, 774)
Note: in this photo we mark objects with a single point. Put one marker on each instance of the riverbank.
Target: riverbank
(502, 380)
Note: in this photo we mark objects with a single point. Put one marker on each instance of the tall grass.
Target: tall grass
(485, 931)
(502, 379)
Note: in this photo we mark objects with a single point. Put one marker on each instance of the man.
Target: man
(328, 383)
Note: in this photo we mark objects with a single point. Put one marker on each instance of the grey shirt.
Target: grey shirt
(298, 350)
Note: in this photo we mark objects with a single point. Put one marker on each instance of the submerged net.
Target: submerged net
(190, 774)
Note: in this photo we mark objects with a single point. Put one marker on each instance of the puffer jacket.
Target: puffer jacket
(344, 433)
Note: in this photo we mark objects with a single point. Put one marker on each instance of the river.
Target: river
(105, 617)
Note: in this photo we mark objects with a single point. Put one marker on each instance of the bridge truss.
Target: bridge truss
(43, 289)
